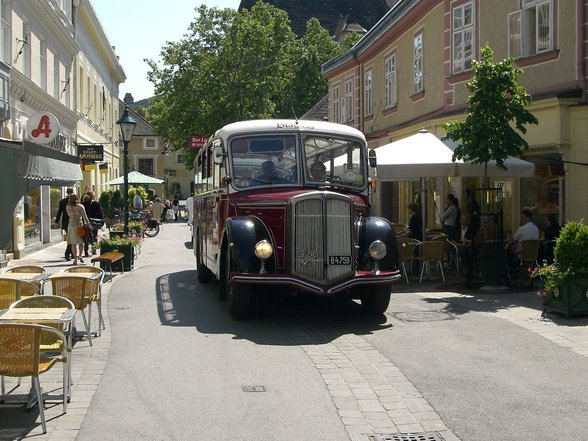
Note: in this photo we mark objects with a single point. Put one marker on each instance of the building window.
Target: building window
(348, 100)
(4, 31)
(145, 166)
(337, 104)
(530, 30)
(150, 143)
(43, 64)
(463, 37)
(390, 81)
(418, 83)
(368, 93)
(180, 158)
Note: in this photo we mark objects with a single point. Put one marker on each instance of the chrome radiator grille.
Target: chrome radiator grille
(322, 227)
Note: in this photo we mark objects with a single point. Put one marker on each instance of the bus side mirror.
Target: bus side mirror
(218, 155)
(372, 158)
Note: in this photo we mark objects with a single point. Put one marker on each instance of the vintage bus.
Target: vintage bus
(285, 203)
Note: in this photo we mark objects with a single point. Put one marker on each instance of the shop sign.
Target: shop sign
(197, 142)
(91, 152)
(43, 127)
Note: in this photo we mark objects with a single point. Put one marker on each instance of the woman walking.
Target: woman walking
(77, 218)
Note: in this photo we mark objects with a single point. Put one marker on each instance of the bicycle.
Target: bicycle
(150, 225)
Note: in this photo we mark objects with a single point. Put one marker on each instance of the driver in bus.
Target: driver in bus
(318, 171)
(268, 173)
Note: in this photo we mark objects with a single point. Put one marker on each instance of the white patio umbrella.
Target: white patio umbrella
(424, 155)
(136, 178)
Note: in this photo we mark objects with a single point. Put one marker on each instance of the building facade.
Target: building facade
(409, 72)
(55, 62)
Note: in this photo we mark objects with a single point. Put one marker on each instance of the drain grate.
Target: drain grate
(422, 316)
(428, 436)
(253, 388)
(122, 308)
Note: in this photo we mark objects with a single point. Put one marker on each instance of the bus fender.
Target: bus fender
(243, 233)
(371, 229)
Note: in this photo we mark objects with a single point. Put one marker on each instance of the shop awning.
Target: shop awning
(48, 171)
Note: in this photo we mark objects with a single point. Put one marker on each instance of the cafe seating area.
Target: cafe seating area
(38, 311)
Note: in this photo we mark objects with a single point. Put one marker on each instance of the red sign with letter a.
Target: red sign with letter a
(197, 142)
(43, 127)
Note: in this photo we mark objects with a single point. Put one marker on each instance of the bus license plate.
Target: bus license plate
(339, 260)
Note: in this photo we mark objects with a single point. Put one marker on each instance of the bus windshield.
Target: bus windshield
(275, 160)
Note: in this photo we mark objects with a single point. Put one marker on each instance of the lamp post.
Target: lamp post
(127, 127)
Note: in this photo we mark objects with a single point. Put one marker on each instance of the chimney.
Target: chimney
(128, 99)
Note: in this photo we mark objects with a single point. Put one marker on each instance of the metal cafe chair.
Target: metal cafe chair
(76, 290)
(406, 247)
(51, 342)
(430, 251)
(94, 290)
(21, 356)
(11, 289)
(26, 291)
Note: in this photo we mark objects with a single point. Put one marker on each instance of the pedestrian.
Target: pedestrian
(466, 247)
(157, 209)
(473, 210)
(62, 215)
(415, 223)
(77, 218)
(137, 200)
(190, 207)
(96, 215)
(550, 235)
(450, 218)
(176, 208)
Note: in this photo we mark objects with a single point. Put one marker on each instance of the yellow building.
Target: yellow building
(409, 72)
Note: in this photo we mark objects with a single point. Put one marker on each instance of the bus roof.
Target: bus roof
(267, 126)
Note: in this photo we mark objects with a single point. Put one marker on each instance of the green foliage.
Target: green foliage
(106, 202)
(235, 66)
(118, 241)
(571, 247)
(496, 100)
(116, 200)
(571, 257)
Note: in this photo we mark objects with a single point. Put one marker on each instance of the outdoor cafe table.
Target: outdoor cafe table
(27, 277)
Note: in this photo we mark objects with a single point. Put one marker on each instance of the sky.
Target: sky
(138, 29)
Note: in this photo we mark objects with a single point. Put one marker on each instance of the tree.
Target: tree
(495, 102)
(235, 66)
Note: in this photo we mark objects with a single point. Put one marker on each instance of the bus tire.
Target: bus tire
(240, 300)
(376, 299)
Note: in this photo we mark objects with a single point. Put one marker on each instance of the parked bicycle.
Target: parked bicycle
(151, 226)
(524, 264)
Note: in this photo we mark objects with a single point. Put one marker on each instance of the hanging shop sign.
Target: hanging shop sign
(197, 142)
(43, 127)
(91, 152)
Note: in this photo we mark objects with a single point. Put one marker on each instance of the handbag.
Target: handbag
(96, 223)
(82, 231)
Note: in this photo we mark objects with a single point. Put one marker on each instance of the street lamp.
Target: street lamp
(127, 127)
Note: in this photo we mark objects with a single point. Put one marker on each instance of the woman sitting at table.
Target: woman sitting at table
(77, 218)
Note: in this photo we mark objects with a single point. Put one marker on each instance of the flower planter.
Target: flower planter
(128, 260)
(571, 298)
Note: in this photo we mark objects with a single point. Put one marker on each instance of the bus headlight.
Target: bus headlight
(378, 250)
(264, 249)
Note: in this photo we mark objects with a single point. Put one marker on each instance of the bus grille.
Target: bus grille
(322, 229)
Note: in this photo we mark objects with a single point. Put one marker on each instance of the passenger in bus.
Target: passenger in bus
(318, 171)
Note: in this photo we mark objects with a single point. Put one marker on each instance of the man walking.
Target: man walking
(190, 207)
(62, 214)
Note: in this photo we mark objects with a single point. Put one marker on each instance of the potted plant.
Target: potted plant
(124, 244)
(565, 282)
